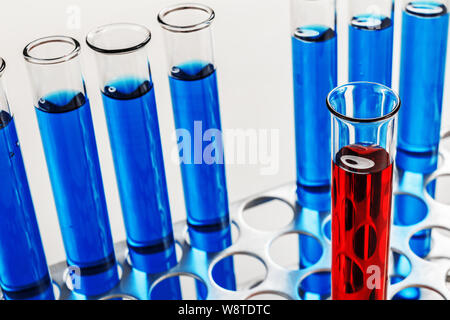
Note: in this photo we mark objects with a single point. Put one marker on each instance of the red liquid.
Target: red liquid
(361, 216)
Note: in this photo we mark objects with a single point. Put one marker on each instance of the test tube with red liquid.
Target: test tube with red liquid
(363, 148)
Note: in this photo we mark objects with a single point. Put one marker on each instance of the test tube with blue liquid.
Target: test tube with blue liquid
(422, 73)
(129, 103)
(23, 268)
(67, 133)
(314, 61)
(195, 101)
(371, 34)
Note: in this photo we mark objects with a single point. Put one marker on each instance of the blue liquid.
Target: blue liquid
(424, 47)
(314, 56)
(69, 144)
(132, 119)
(318, 286)
(370, 49)
(23, 267)
(195, 101)
(196, 110)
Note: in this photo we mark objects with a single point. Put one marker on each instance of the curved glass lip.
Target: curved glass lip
(2, 66)
(110, 27)
(387, 116)
(186, 28)
(50, 39)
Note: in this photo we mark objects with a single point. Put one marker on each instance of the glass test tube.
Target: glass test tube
(23, 268)
(422, 73)
(371, 35)
(67, 132)
(193, 84)
(130, 108)
(361, 190)
(195, 101)
(314, 62)
(314, 58)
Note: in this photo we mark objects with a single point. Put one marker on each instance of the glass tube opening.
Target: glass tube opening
(186, 17)
(51, 50)
(426, 9)
(118, 38)
(343, 102)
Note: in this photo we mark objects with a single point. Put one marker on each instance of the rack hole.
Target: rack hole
(239, 271)
(294, 251)
(409, 209)
(421, 243)
(179, 287)
(268, 214)
(178, 255)
(269, 295)
(419, 294)
(316, 286)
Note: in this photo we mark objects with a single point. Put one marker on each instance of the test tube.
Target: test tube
(23, 268)
(422, 73)
(314, 61)
(129, 102)
(361, 190)
(371, 35)
(195, 102)
(314, 58)
(67, 133)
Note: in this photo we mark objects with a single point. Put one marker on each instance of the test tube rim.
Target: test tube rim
(2, 66)
(186, 28)
(385, 117)
(127, 49)
(51, 39)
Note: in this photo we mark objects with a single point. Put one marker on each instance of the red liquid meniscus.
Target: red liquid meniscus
(361, 216)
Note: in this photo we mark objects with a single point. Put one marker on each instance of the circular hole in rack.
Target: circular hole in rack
(421, 242)
(316, 286)
(401, 268)
(295, 250)
(408, 209)
(421, 293)
(268, 214)
(181, 286)
(234, 235)
(438, 188)
(269, 295)
(119, 296)
(239, 271)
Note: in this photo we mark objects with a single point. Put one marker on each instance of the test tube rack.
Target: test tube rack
(430, 273)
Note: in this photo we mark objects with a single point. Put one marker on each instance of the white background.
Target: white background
(253, 55)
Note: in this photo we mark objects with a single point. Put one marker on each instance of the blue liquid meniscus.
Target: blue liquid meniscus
(68, 138)
(314, 56)
(23, 267)
(196, 111)
(370, 49)
(132, 119)
(423, 59)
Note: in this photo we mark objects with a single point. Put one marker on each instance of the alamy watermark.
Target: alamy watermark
(231, 146)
